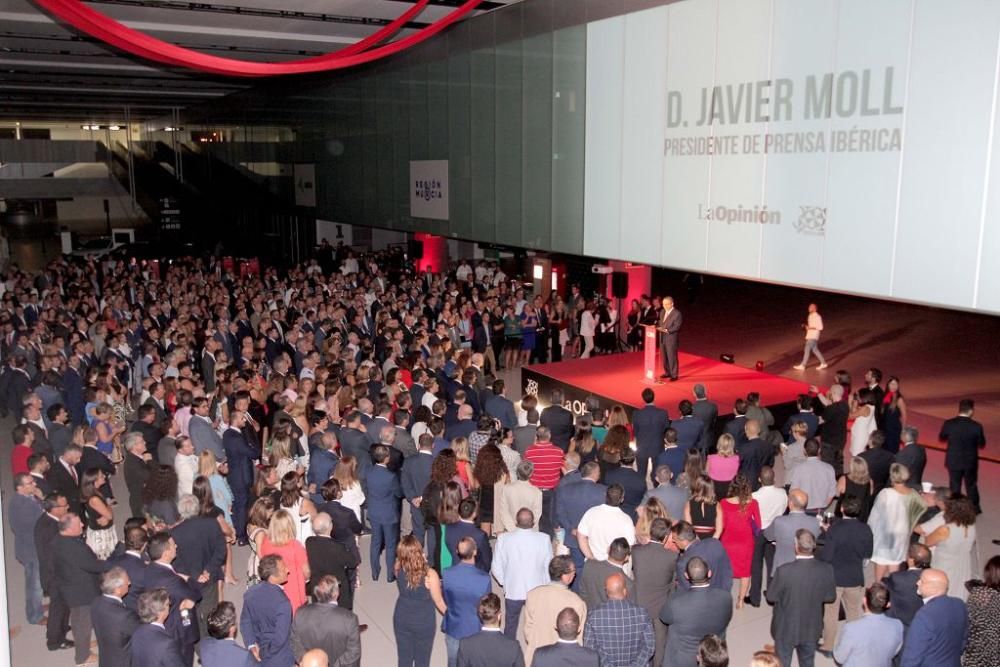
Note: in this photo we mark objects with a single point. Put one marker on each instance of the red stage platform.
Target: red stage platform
(618, 378)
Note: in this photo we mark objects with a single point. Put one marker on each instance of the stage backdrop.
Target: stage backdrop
(841, 145)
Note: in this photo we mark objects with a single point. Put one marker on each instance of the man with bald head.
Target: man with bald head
(754, 453)
(782, 530)
(939, 630)
(315, 658)
(566, 652)
(463, 426)
(620, 631)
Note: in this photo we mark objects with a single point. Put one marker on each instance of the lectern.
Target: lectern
(649, 347)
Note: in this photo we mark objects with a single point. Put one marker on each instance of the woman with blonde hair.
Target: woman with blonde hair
(282, 454)
(346, 472)
(694, 466)
(258, 519)
(584, 444)
(222, 495)
(649, 511)
(460, 446)
(281, 540)
(420, 594)
(857, 483)
(618, 417)
(702, 510)
(895, 514)
(722, 466)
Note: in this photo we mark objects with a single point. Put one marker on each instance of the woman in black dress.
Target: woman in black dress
(490, 469)
(413, 619)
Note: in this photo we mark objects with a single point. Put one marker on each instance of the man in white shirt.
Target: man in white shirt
(813, 327)
(772, 501)
(520, 563)
(185, 465)
(600, 525)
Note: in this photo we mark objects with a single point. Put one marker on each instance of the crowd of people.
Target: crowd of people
(294, 412)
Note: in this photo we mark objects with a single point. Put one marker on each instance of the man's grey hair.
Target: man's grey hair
(113, 579)
(805, 542)
(323, 524)
(188, 506)
(663, 474)
(132, 439)
(911, 434)
(387, 435)
(152, 603)
(524, 470)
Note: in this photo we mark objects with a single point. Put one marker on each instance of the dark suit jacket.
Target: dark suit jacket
(267, 622)
(573, 501)
(158, 576)
(40, 444)
(62, 483)
(136, 473)
(560, 422)
(846, 546)
(151, 433)
(161, 414)
(798, 592)
(484, 554)
(754, 455)
(879, 462)
(714, 554)
(937, 635)
(690, 431)
(46, 532)
(201, 546)
(810, 419)
(73, 393)
(649, 423)
(240, 455)
(707, 412)
(501, 408)
(565, 654)
(489, 649)
(345, 523)
(654, 569)
(914, 457)
(76, 570)
(114, 624)
(321, 465)
(416, 475)
(460, 429)
(383, 495)
(328, 627)
(224, 653)
(736, 428)
(903, 594)
(634, 485)
(965, 438)
(153, 646)
(595, 573)
(327, 556)
(60, 436)
(691, 615)
(136, 568)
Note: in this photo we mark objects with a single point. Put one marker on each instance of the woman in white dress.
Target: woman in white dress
(863, 414)
(951, 535)
(346, 473)
(897, 510)
(302, 510)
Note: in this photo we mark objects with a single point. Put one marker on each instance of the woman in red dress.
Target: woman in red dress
(741, 520)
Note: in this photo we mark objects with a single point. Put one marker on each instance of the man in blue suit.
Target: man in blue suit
(415, 476)
(649, 423)
(566, 652)
(466, 527)
(133, 561)
(573, 501)
(73, 390)
(939, 630)
(220, 649)
(708, 549)
(689, 428)
(384, 493)
(267, 616)
(463, 584)
(322, 461)
(500, 407)
(153, 645)
(240, 455)
(160, 573)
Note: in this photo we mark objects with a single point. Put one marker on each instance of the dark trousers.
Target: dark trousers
(79, 618)
(805, 650)
(643, 462)
(546, 523)
(763, 551)
(660, 631)
(833, 453)
(512, 616)
(413, 649)
(417, 523)
(668, 350)
(209, 601)
(579, 560)
(971, 477)
(241, 505)
(58, 623)
(384, 535)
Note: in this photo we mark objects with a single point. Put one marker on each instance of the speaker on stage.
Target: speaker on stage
(727, 358)
(619, 284)
(415, 249)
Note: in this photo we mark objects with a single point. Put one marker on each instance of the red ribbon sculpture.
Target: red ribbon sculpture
(114, 33)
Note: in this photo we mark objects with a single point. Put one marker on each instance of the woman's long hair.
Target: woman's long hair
(410, 561)
(202, 490)
(444, 467)
(161, 485)
(490, 467)
(739, 488)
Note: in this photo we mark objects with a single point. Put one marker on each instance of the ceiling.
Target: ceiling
(50, 71)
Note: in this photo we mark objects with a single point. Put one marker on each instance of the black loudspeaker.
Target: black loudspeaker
(415, 249)
(619, 284)
(727, 358)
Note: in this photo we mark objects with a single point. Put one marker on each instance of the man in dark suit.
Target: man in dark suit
(573, 501)
(201, 554)
(939, 630)
(77, 569)
(266, 621)
(384, 493)
(64, 478)
(669, 325)
(153, 645)
(72, 382)
(346, 526)
(500, 407)
(466, 527)
(833, 430)
(689, 429)
(462, 585)
(327, 625)
(322, 458)
(329, 557)
(60, 433)
(54, 509)
(754, 453)
(114, 623)
(133, 561)
(416, 474)
(736, 426)
(558, 420)
(630, 480)
(489, 646)
(798, 592)
(654, 568)
(355, 442)
(649, 422)
(879, 460)
(596, 572)
(240, 455)
(566, 652)
(708, 549)
(964, 437)
(220, 649)
(913, 456)
(138, 466)
(707, 412)
(701, 610)
(145, 424)
(902, 585)
(184, 593)
(805, 415)
(156, 394)
(847, 545)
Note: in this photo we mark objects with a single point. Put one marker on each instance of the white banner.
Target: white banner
(429, 189)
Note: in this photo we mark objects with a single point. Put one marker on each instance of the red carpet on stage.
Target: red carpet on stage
(619, 378)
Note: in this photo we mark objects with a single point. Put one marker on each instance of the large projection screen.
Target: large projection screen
(843, 145)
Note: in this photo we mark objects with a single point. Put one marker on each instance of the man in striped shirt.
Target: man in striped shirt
(548, 460)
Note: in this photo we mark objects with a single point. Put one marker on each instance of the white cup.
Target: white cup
(928, 487)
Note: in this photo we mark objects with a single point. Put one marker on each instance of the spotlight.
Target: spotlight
(727, 358)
